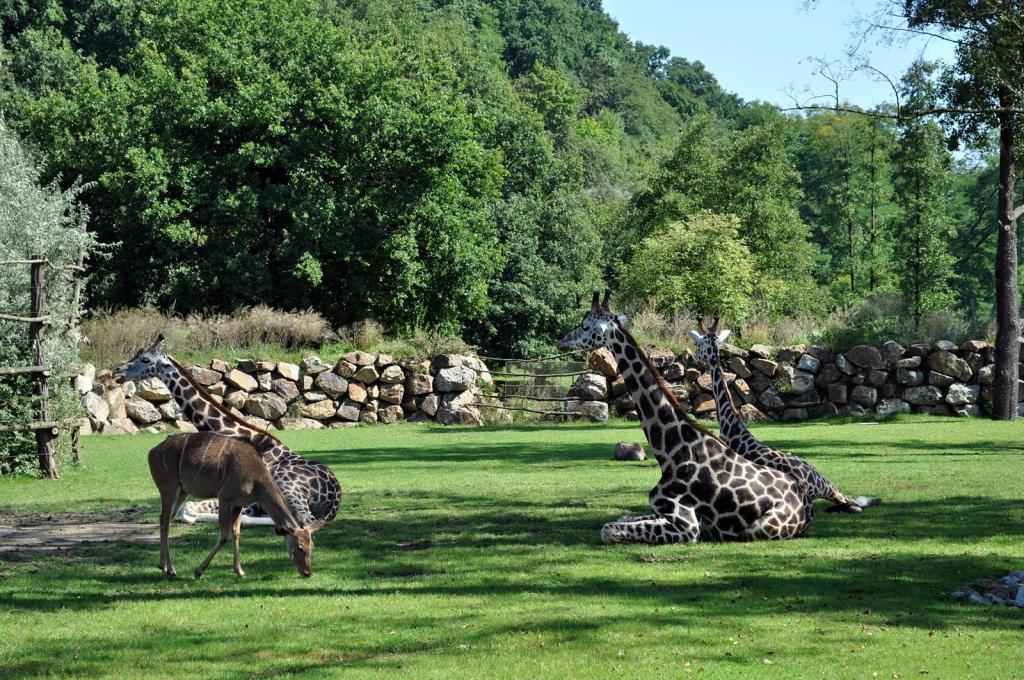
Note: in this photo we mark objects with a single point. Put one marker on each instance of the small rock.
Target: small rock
(945, 346)
(940, 380)
(360, 358)
(837, 393)
(750, 413)
(346, 369)
(865, 356)
(593, 411)
(383, 360)
(925, 395)
(960, 394)
(765, 366)
(739, 367)
(367, 374)
(808, 363)
(317, 410)
(761, 351)
(430, 404)
(169, 410)
(950, 364)
(219, 366)
(908, 377)
(349, 410)
(627, 451)
(294, 423)
(152, 389)
(454, 379)
(419, 383)
(794, 414)
(286, 389)
(141, 411)
(357, 393)
(332, 384)
(266, 405)
(457, 408)
(391, 393)
(96, 407)
(447, 361)
(864, 395)
(392, 374)
(390, 414)
(891, 406)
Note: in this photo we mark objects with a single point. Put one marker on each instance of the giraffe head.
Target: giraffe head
(707, 340)
(299, 544)
(596, 328)
(147, 362)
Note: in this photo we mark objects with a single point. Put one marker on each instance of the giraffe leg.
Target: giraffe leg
(679, 527)
(782, 521)
(635, 518)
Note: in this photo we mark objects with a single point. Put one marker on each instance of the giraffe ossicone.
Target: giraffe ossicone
(734, 432)
(310, 489)
(706, 491)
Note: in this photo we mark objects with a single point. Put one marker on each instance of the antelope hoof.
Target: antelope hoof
(171, 575)
(241, 574)
(199, 574)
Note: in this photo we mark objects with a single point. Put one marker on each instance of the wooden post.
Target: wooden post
(44, 437)
(76, 444)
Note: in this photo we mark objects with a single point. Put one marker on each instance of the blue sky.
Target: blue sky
(761, 49)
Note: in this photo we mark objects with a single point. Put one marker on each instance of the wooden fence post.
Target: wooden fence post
(44, 437)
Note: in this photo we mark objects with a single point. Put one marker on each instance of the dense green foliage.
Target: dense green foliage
(477, 166)
(37, 221)
(486, 562)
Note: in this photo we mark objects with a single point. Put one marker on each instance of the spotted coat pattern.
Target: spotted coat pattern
(706, 491)
(310, 489)
(733, 432)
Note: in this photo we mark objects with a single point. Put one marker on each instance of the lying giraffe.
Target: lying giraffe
(309, 488)
(706, 491)
(733, 432)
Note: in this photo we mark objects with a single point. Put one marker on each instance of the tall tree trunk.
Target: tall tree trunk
(874, 223)
(1007, 305)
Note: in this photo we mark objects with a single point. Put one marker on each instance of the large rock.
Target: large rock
(169, 410)
(349, 410)
(705, 382)
(454, 379)
(892, 351)
(864, 395)
(925, 395)
(808, 363)
(331, 384)
(960, 394)
(457, 408)
(205, 376)
(294, 423)
(765, 366)
(241, 380)
(750, 413)
(391, 393)
(247, 366)
(313, 365)
(118, 426)
(761, 351)
(287, 371)
(286, 389)
(115, 400)
(266, 405)
(602, 360)
(837, 393)
(357, 393)
(866, 356)
(739, 367)
(909, 362)
(945, 346)
(590, 386)
(829, 374)
(908, 377)
(346, 369)
(794, 414)
(430, 404)
(771, 400)
(419, 383)
(390, 414)
(152, 389)
(447, 361)
(96, 407)
(236, 398)
(847, 367)
(593, 411)
(360, 358)
(367, 374)
(940, 380)
(974, 346)
(383, 360)
(891, 406)
(877, 377)
(704, 403)
(317, 410)
(798, 381)
(392, 374)
(219, 366)
(141, 411)
(987, 375)
(789, 355)
(660, 357)
(946, 362)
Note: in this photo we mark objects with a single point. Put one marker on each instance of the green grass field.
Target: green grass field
(475, 553)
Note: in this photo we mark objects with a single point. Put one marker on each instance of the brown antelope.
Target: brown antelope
(211, 465)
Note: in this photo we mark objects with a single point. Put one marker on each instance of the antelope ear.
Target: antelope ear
(723, 335)
(316, 526)
(281, 531)
(696, 337)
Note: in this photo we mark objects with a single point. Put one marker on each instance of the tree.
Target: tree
(920, 233)
(700, 263)
(984, 90)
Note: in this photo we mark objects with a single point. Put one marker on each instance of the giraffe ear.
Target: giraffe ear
(607, 295)
(595, 302)
(696, 337)
(156, 343)
(622, 319)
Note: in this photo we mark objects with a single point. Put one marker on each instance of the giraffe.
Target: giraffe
(309, 488)
(706, 491)
(733, 432)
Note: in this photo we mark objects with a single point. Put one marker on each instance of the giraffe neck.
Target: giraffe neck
(729, 422)
(662, 417)
(209, 416)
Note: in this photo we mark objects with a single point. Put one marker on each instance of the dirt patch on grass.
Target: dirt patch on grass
(52, 531)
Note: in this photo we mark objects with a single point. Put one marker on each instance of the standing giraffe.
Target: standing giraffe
(309, 488)
(706, 490)
(733, 432)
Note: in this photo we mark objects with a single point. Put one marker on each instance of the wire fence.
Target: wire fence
(533, 389)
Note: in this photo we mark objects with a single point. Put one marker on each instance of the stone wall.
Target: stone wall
(358, 388)
(799, 382)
